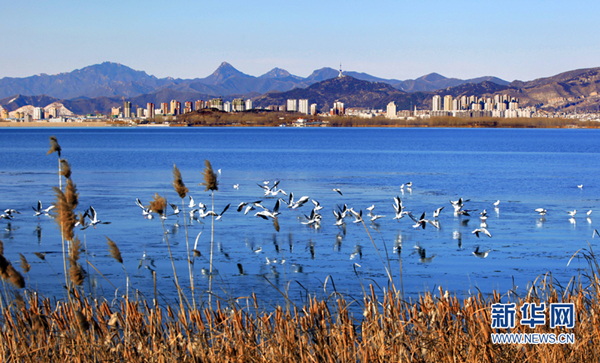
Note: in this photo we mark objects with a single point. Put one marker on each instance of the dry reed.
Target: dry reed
(54, 146)
(25, 266)
(65, 168)
(65, 217)
(158, 205)
(439, 328)
(75, 270)
(182, 191)
(178, 184)
(210, 183)
(210, 178)
(114, 250)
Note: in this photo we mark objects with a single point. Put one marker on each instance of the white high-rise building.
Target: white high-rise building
(447, 103)
(292, 105)
(303, 106)
(38, 113)
(227, 106)
(456, 104)
(150, 110)
(436, 103)
(249, 104)
(391, 110)
(313, 109)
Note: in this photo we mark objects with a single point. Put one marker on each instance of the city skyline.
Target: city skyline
(392, 40)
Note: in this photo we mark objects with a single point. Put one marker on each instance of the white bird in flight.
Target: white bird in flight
(482, 230)
(39, 211)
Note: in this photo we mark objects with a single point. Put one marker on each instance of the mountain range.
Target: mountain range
(114, 79)
(99, 87)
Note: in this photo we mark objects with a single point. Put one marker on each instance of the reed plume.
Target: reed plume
(40, 255)
(54, 146)
(15, 276)
(182, 191)
(115, 253)
(4, 263)
(114, 250)
(8, 272)
(75, 271)
(64, 211)
(65, 168)
(75, 250)
(1, 248)
(180, 188)
(25, 266)
(210, 178)
(158, 205)
(71, 194)
(210, 183)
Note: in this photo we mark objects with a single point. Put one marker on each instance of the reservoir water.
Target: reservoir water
(524, 169)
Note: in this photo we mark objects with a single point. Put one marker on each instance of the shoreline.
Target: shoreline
(55, 124)
(569, 124)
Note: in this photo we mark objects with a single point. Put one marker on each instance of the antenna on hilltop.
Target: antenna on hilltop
(340, 75)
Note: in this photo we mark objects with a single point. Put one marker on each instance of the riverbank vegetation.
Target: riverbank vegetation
(264, 118)
(434, 328)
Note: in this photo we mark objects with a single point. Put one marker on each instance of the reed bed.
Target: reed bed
(434, 328)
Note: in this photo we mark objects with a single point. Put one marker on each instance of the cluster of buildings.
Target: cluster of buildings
(467, 106)
(55, 111)
(174, 108)
(500, 105)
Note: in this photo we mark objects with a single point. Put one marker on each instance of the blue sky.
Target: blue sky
(390, 39)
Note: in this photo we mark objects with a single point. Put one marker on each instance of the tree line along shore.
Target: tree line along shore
(278, 119)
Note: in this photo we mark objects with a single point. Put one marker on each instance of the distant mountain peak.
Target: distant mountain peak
(323, 74)
(227, 70)
(432, 77)
(222, 73)
(276, 73)
(226, 67)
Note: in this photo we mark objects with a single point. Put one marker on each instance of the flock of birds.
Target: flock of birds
(313, 219)
(341, 213)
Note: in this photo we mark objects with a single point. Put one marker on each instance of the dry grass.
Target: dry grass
(432, 329)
